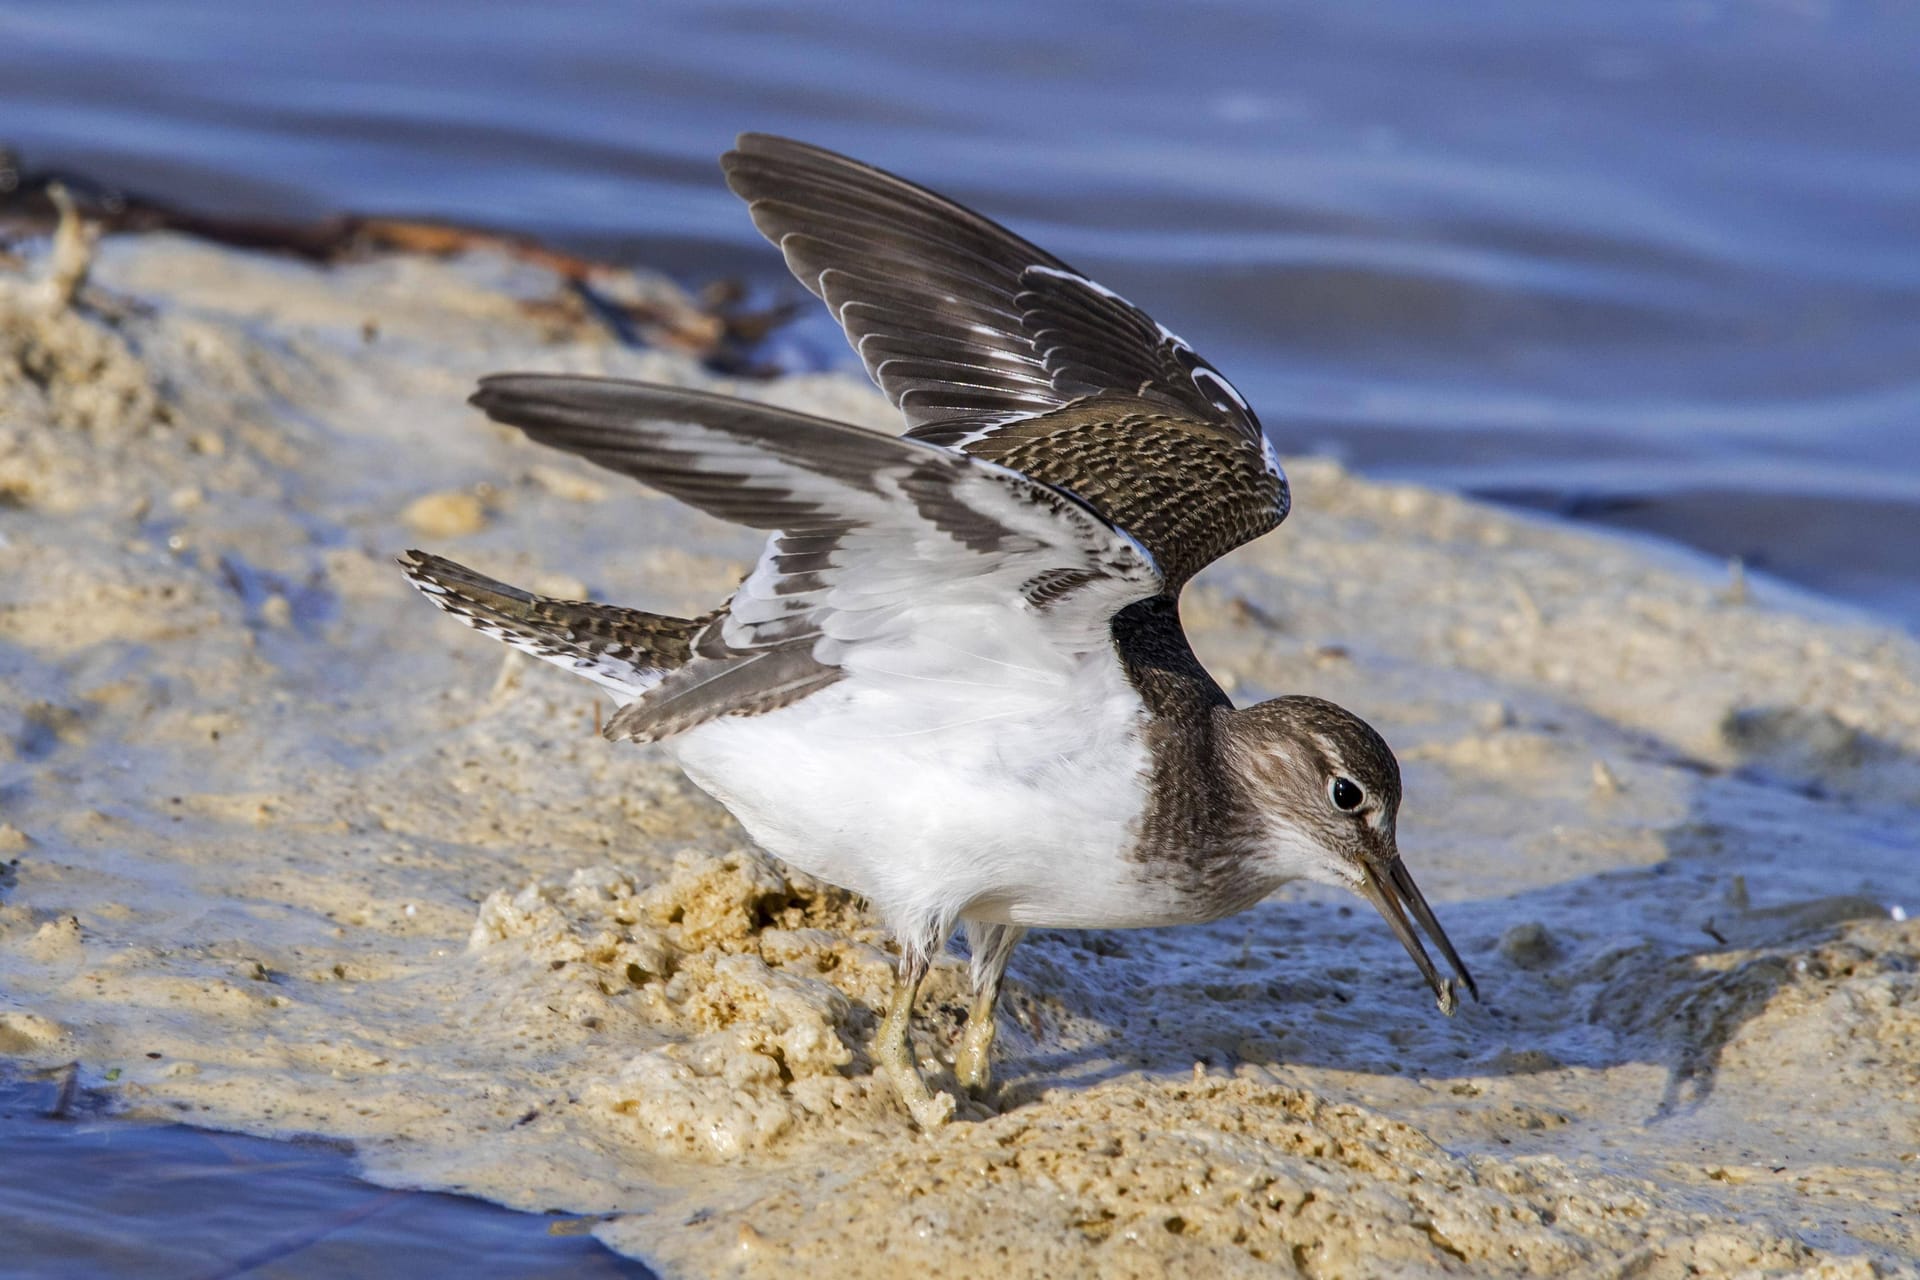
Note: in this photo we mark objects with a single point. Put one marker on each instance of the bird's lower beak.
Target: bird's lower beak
(1390, 887)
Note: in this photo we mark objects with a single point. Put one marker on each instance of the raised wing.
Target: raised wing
(872, 535)
(975, 333)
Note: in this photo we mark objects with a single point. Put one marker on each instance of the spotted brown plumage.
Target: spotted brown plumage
(1188, 490)
(605, 643)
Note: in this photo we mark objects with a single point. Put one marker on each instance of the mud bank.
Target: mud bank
(287, 852)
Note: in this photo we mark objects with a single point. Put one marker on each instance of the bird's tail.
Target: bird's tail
(623, 650)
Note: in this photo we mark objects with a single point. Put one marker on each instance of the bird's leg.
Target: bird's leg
(991, 945)
(893, 1047)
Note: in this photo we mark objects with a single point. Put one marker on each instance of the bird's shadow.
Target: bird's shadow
(1662, 963)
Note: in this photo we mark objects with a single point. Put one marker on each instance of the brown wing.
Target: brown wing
(872, 535)
(994, 347)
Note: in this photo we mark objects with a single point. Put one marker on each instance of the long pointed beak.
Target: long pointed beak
(1390, 887)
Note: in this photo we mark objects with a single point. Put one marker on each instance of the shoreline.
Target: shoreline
(732, 323)
(352, 875)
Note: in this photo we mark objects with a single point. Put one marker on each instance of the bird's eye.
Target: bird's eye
(1346, 794)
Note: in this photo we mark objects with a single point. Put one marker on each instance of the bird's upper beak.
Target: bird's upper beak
(1390, 887)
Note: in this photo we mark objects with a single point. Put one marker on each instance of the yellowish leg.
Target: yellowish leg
(991, 945)
(893, 1048)
(973, 1064)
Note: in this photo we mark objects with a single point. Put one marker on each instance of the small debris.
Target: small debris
(1528, 945)
(1244, 611)
(72, 256)
(508, 678)
(452, 513)
(1736, 894)
(562, 483)
(1736, 591)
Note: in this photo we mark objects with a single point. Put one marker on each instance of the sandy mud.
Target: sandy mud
(283, 850)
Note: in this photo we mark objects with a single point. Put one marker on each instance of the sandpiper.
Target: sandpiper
(956, 682)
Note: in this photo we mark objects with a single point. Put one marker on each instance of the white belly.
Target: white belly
(939, 786)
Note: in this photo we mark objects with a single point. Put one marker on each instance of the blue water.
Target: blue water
(83, 1196)
(1652, 264)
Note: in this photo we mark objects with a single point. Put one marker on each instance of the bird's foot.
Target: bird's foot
(929, 1109)
(893, 1050)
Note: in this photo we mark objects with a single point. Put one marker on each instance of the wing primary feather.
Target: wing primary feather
(988, 345)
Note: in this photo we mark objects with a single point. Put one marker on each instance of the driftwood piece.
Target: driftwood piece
(717, 324)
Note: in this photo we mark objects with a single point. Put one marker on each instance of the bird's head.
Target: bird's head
(1324, 790)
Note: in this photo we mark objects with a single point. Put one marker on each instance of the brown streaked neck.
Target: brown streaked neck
(1161, 665)
(1196, 816)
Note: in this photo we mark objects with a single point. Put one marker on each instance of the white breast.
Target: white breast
(963, 771)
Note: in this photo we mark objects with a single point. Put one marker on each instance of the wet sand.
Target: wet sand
(288, 852)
